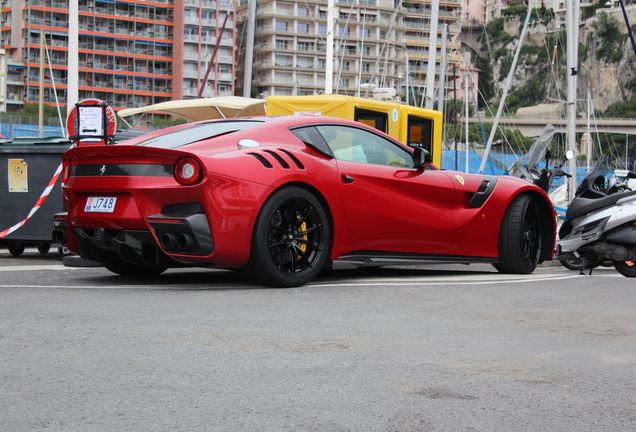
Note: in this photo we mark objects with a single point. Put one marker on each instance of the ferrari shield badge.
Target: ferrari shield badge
(460, 179)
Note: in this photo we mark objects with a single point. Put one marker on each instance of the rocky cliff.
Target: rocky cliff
(607, 63)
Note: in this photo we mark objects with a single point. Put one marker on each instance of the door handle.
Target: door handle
(346, 179)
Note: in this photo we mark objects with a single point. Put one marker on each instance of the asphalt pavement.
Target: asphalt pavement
(427, 348)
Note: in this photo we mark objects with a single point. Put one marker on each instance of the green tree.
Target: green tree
(33, 110)
(607, 31)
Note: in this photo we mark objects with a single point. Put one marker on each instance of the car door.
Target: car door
(390, 205)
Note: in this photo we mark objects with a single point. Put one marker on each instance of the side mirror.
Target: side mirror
(568, 156)
(421, 157)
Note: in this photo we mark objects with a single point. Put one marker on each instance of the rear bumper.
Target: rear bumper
(134, 247)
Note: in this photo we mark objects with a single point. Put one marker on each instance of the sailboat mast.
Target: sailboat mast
(72, 92)
(506, 88)
(331, 21)
(572, 25)
(41, 104)
(432, 55)
(442, 72)
(249, 48)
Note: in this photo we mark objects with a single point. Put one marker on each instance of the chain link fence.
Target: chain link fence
(14, 126)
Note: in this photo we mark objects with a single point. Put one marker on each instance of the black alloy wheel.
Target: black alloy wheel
(291, 240)
(520, 240)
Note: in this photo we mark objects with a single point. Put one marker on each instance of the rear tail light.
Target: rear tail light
(66, 171)
(187, 171)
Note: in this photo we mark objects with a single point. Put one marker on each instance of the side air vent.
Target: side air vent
(294, 159)
(278, 158)
(262, 160)
(271, 158)
(483, 193)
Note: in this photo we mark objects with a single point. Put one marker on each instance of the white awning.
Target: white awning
(204, 109)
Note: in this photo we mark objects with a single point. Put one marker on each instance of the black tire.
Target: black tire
(626, 268)
(291, 240)
(44, 248)
(133, 270)
(521, 237)
(16, 249)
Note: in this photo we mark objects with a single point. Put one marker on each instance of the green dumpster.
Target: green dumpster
(29, 166)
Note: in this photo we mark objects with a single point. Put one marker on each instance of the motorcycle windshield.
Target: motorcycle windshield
(598, 178)
(602, 167)
(536, 152)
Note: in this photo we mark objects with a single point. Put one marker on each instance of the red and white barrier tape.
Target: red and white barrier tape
(37, 205)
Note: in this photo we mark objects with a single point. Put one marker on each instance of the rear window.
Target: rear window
(197, 132)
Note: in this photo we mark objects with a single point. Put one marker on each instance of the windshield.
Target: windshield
(603, 167)
(536, 152)
(197, 132)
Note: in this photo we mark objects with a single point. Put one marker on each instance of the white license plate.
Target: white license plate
(100, 204)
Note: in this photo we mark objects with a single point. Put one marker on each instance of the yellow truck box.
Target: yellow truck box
(416, 127)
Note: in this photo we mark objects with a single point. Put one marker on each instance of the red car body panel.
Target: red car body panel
(385, 209)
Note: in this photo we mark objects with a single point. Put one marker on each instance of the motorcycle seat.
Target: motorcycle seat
(581, 206)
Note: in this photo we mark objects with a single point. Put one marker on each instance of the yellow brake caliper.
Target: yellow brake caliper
(302, 246)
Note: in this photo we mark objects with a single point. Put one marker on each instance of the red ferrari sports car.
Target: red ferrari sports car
(281, 198)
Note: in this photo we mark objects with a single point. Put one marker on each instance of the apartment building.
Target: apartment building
(374, 39)
(560, 7)
(417, 24)
(134, 53)
(290, 46)
(131, 53)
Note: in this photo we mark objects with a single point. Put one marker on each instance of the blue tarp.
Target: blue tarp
(12, 131)
(474, 161)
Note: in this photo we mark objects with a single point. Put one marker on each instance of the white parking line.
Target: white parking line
(431, 281)
(35, 267)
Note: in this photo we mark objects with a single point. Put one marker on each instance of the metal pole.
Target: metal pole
(572, 23)
(442, 72)
(629, 28)
(331, 21)
(455, 115)
(41, 105)
(408, 88)
(73, 56)
(506, 88)
(432, 55)
(466, 79)
(216, 48)
(249, 49)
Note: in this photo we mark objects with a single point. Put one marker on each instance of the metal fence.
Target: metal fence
(13, 126)
(12, 131)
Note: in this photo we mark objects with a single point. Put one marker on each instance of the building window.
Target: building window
(283, 60)
(304, 46)
(281, 27)
(281, 44)
(303, 28)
